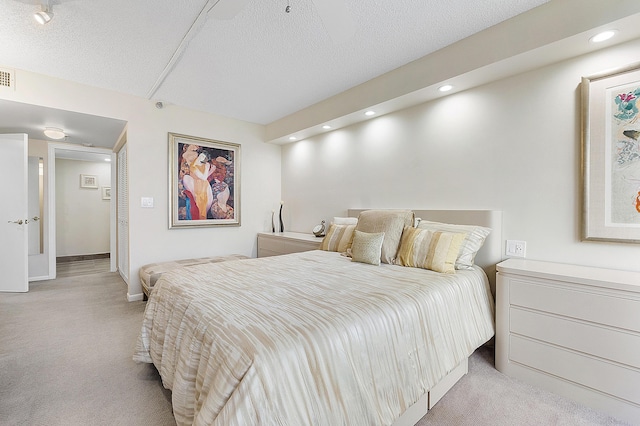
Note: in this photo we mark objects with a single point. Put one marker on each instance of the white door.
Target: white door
(13, 213)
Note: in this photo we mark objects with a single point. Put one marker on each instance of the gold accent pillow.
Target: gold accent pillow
(434, 250)
(471, 244)
(391, 222)
(366, 247)
(338, 238)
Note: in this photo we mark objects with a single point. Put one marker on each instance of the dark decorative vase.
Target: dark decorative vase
(281, 222)
(273, 221)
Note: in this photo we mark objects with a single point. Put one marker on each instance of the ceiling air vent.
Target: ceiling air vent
(6, 78)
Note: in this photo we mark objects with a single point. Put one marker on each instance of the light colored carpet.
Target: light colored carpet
(65, 359)
(487, 397)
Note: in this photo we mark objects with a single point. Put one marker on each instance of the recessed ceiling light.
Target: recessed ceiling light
(107, 160)
(369, 113)
(603, 36)
(326, 127)
(54, 133)
(445, 88)
(292, 138)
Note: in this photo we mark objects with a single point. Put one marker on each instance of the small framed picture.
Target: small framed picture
(89, 181)
(106, 192)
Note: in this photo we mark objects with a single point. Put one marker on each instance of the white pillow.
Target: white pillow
(471, 244)
(345, 221)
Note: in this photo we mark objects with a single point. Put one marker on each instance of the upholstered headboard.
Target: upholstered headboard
(491, 252)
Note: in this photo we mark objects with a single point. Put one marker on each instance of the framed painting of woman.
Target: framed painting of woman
(204, 182)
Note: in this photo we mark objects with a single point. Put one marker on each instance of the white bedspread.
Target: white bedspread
(308, 338)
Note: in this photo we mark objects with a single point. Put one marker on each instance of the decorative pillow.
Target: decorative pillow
(366, 247)
(391, 222)
(345, 220)
(338, 238)
(434, 250)
(470, 246)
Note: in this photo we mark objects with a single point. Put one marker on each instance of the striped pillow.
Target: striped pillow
(434, 250)
(338, 238)
(474, 241)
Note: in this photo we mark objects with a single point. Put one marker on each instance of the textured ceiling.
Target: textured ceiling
(259, 66)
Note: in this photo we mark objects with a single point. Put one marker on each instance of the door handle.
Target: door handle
(19, 222)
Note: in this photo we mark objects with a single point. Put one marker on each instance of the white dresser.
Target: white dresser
(573, 330)
(274, 244)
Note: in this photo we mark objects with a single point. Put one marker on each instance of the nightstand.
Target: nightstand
(274, 244)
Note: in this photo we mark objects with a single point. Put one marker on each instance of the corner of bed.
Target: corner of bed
(487, 258)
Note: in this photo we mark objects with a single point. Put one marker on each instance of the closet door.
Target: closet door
(123, 214)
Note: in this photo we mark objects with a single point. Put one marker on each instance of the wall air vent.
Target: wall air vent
(7, 78)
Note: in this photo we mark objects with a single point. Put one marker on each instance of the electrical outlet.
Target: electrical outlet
(516, 248)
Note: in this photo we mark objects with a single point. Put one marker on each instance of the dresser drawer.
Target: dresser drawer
(600, 341)
(610, 378)
(286, 243)
(610, 307)
(267, 253)
(298, 246)
(273, 245)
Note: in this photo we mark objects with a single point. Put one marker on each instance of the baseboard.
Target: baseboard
(134, 297)
(80, 257)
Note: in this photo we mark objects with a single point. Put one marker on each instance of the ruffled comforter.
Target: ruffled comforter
(308, 338)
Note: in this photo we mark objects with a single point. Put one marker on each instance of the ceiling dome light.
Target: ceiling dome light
(445, 88)
(603, 36)
(54, 133)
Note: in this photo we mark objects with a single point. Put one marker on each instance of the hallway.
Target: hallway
(82, 267)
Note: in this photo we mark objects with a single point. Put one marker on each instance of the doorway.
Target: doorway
(80, 194)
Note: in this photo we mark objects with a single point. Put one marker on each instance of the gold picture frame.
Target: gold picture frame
(611, 155)
(204, 182)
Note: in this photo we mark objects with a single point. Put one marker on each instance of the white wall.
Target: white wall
(82, 216)
(513, 145)
(151, 240)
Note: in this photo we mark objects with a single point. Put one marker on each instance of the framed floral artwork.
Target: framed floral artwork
(204, 182)
(611, 155)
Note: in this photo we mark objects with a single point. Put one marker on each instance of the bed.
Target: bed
(314, 338)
